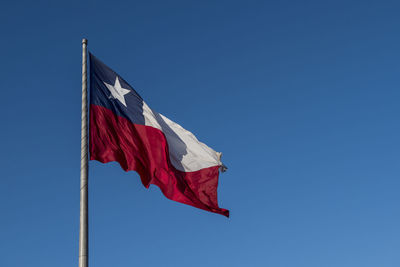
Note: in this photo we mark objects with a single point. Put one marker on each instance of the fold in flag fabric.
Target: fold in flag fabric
(123, 128)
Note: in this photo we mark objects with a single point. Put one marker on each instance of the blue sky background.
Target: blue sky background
(302, 97)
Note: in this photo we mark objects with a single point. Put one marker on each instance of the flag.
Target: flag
(123, 128)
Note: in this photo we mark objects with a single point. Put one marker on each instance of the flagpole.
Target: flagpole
(83, 222)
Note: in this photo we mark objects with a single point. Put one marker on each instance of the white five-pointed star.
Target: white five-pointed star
(117, 91)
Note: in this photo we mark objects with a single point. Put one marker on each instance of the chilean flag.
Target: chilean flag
(123, 128)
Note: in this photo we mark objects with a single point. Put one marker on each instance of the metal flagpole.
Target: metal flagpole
(83, 223)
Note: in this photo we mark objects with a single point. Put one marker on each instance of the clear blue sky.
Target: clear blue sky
(302, 97)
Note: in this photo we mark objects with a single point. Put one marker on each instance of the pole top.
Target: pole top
(84, 41)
